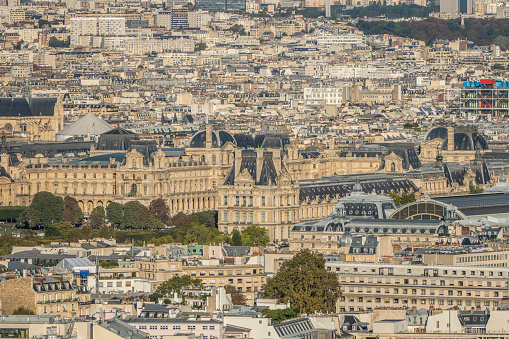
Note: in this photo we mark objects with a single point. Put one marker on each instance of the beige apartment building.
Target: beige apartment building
(43, 296)
(247, 278)
(483, 258)
(369, 286)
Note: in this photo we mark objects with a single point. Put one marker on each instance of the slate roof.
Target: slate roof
(104, 159)
(456, 173)
(293, 327)
(338, 186)
(475, 204)
(118, 139)
(244, 140)
(268, 175)
(219, 139)
(235, 251)
(123, 329)
(473, 319)
(21, 107)
(466, 138)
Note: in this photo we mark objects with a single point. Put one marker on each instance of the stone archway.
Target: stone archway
(90, 206)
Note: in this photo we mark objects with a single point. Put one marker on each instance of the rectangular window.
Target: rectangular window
(263, 216)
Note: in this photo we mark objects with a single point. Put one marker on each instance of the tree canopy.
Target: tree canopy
(479, 31)
(281, 315)
(97, 217)
(72, 211)
(305, 283)
(115, 213)
(45, 209)
(159, 210)
(402, 199)
(176, 284)
(237, 297)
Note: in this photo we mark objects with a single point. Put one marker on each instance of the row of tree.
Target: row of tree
(47, 209)
(59, 217)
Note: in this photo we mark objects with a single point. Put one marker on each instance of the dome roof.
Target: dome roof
(466, 138)
(219, 138)
(346, 239)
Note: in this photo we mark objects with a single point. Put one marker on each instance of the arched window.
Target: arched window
(393, 167)
(134, 190)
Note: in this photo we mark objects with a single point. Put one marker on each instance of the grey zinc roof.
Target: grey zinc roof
(87, 124)
(123, 329)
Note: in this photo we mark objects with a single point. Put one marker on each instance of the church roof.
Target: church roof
(21, 107)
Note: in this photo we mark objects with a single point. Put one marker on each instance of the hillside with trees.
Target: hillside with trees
(480, 31)
(391, 12)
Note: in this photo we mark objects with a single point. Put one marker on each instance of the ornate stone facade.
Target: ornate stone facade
(276, 185)
(31, 118)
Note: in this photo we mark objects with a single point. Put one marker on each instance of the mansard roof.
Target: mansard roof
(268, 175)
(23, 107)
(338, 186)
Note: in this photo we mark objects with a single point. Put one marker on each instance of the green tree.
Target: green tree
(254, 235)
(159, 209)
(72, 211)
(402, 199)
(86, 232)
(474, 189)
(108, 264)
(52, 232)
(63, 230)
(200, 234)
(23, 311)
(44, 23)
(305, 283)
(237, 297)
(55, 43)
(106, 232)
(175, 284)
(278, 316)
(239, 29)
(19, 44)
(13, 213)
(236, 238)
(132, 214)
(97, 217)
(6, 243)
(46, 209)
(115, 213)
(145, 219)
(200, 46)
